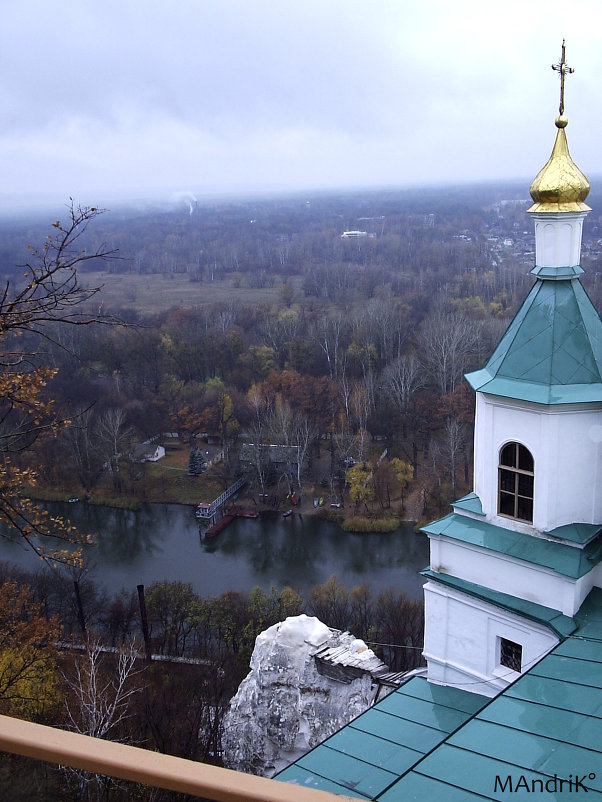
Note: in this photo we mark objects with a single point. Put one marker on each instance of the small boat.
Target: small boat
(287, 513)
(72, 500)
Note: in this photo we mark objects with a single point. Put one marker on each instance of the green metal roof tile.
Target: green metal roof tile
(530, 716)
(557, 272)
(589, 628)
(574, 761)
(470, 503)
(552, 349)
(587, 673)
(561, 624)
(401, 731)
(579, 648)
(390, 737)
(528, 751)
(590, 615)
(576, 345)
(564, 559)
(536, 393)
(347, 771)
(557, 693)
(441, 718)
(576, 533)
(467, 770)
(538, 719)
(427, 789)
(443, 696)
(373, 749)
(587, 733)
(480, 774)
(297, 775)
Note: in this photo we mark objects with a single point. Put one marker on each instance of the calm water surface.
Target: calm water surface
(162, 542)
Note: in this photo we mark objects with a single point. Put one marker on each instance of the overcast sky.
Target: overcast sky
(126, 98)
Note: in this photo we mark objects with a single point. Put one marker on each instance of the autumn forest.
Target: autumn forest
(332, 330)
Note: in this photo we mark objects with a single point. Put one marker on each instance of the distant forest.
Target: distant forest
(336, 328)
(260, 320)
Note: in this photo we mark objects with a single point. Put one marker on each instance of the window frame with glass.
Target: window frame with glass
(516, 482)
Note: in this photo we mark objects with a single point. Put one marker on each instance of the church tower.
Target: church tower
(513, 562)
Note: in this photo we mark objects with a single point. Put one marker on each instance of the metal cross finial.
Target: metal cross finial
(562, 68)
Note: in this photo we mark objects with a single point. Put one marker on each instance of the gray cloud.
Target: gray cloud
(124, 97)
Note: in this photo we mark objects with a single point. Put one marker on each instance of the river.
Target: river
(162, 542)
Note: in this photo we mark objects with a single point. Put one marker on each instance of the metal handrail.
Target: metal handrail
(209, 512)
(52, 745)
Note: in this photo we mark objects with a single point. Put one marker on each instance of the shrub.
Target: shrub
(360, 524)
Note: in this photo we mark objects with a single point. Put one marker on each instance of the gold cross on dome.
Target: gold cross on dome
(562, 68)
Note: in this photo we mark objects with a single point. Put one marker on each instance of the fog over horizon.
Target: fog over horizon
(145, 100)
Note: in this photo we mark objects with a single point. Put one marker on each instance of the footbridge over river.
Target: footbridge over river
(206, 510)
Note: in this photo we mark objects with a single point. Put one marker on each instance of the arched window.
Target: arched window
(515, 497)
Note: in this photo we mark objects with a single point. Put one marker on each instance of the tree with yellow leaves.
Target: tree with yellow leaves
(29, 678)
(50, 294)
(359, 479)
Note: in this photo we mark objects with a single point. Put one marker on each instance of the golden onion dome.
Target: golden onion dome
(560, 186)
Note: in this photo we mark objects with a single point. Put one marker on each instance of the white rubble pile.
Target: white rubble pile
(283, 707)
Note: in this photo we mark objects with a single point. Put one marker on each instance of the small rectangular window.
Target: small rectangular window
(511, 655)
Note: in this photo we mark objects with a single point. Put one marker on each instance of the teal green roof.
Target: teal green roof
(560, 624)
(580, 533)
(565, 559)
(557, 272)
(369, 754)
(552, 351)
(575, 533)
(470, 503)
(545, 727)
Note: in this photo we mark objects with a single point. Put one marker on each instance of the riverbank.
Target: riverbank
(345, 518)
(167, 482)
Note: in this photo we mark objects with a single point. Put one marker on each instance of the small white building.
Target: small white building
(353, 234)
(148, 452)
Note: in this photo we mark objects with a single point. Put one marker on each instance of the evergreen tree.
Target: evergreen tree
(196, 462)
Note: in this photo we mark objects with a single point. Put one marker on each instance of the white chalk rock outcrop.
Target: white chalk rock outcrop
(284, 707)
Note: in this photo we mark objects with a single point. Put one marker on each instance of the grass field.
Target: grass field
(155, 293)
(165, 481)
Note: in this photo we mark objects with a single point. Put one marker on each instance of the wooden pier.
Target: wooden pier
(227, 518)
(206, 510)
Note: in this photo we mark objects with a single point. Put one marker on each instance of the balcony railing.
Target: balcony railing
(151, 768)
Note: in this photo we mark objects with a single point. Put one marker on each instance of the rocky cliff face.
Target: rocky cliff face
(284, 707)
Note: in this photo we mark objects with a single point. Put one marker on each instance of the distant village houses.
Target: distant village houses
(273, 460)
(148, 452)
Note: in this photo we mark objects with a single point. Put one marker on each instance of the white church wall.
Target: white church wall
(558, 239)
(566, 444)
(462, 640)
(509, 575)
